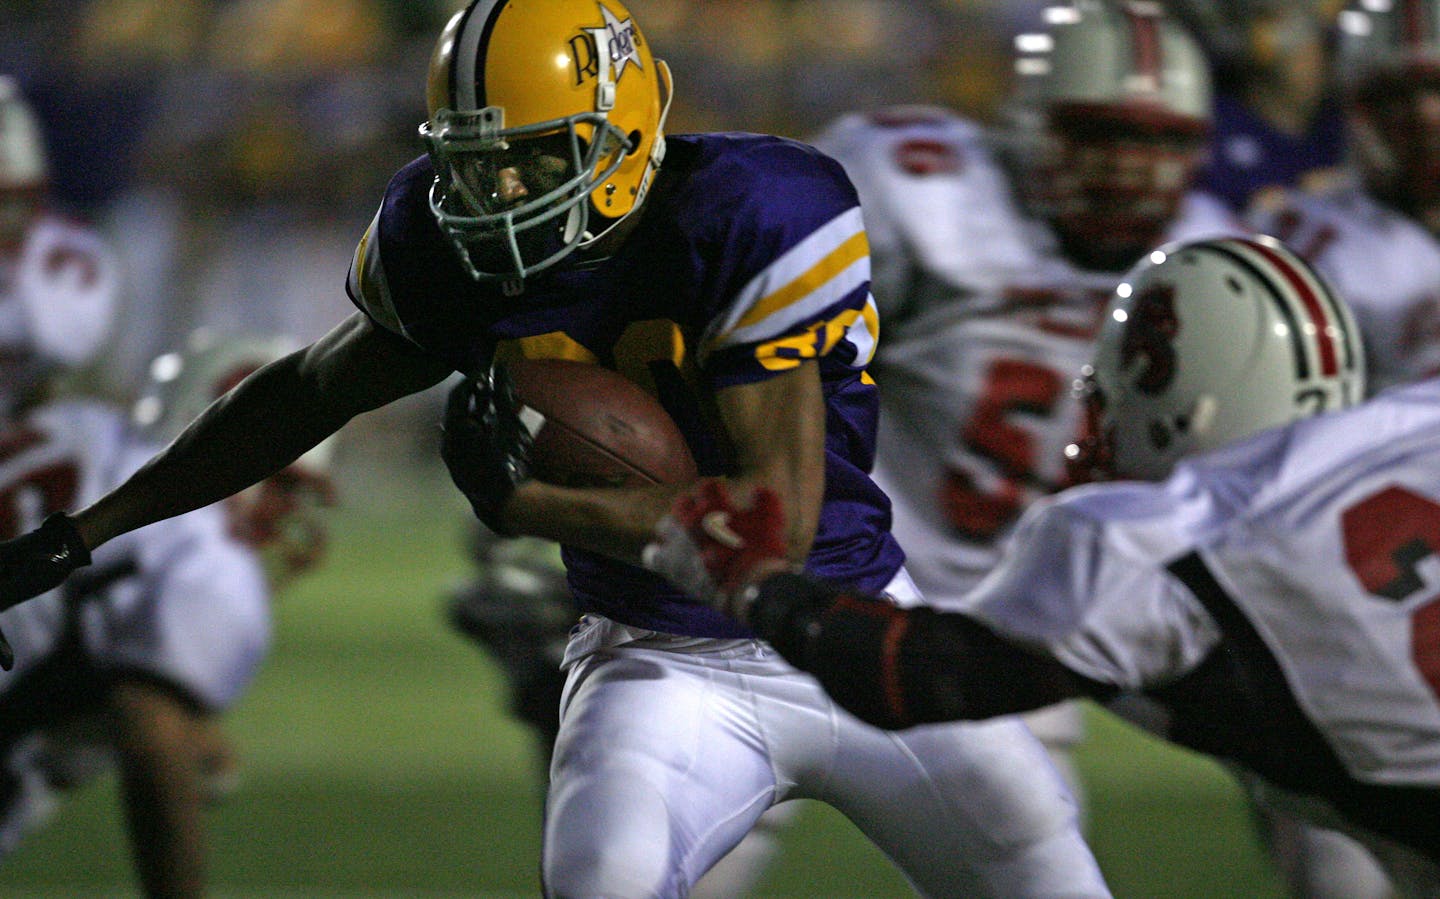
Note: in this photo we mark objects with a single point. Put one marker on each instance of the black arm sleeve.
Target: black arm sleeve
(896, 667)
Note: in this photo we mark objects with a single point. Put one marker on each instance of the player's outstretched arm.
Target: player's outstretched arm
(255, 430)
(264, 424)
(889, 666)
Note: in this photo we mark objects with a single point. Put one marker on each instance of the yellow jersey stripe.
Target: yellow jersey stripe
(839, 259)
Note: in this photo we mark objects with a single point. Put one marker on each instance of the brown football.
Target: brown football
(600, 429)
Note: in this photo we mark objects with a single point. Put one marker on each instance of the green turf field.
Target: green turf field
(380, 763)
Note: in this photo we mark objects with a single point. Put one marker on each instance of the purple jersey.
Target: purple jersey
(1248, 155)
(750, 258)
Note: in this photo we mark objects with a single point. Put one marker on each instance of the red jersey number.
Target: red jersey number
(1386, 536)
(1012, 386)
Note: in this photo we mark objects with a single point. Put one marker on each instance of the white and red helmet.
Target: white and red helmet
(1121, 95)
(1209, 341)
(279, 517)
(1389, 60)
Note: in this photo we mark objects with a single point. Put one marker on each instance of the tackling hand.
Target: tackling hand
(35, 563)
(714, 549)
(486, 445)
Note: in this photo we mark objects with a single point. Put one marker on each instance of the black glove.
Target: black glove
(35, 563)
(485, 444)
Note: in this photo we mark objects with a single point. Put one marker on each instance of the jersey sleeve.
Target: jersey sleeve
(790, 262)
(1088, 591)
(404, 268)
(864, 149)
(366, 283)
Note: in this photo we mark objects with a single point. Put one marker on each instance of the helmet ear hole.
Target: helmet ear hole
(633, 139)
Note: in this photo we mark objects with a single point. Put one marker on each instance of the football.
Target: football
(600, 429)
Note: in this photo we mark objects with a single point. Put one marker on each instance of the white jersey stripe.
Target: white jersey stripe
(467, 52)
(811, 306)
(812, 275)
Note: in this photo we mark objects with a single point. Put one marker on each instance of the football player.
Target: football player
(1270, 588)
(130, 667)
(729, 275)
(1374, 235)
(1377, 236)
(990, 278)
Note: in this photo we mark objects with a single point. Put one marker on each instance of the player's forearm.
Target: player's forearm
(616, 522)
(246, 436)
(613, 522)
(896, 667)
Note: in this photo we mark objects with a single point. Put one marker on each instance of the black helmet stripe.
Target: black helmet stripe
(467, 88)
(1297, 340)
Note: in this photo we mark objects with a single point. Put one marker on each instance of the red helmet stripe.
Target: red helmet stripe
(1319, 317)
(1145, 44)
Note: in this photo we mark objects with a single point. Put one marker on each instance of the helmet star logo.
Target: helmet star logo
(620, 40)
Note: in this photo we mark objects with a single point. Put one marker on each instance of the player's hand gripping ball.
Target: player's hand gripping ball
(486, 444)
(559, 421)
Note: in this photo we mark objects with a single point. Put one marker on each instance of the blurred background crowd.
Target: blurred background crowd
(235, 148)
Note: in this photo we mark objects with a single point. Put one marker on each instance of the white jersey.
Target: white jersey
(178, 602)
(1385, 265)
(1281, 596)
(985, 329)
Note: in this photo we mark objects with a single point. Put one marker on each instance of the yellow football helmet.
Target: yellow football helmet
(545, 116)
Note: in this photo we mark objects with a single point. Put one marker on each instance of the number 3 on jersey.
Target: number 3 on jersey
(1388, 535)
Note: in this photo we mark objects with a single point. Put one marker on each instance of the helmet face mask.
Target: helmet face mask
(545, 131)
(1396, 123)
(1208, 342)
(1113, 182)
(519, 204)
